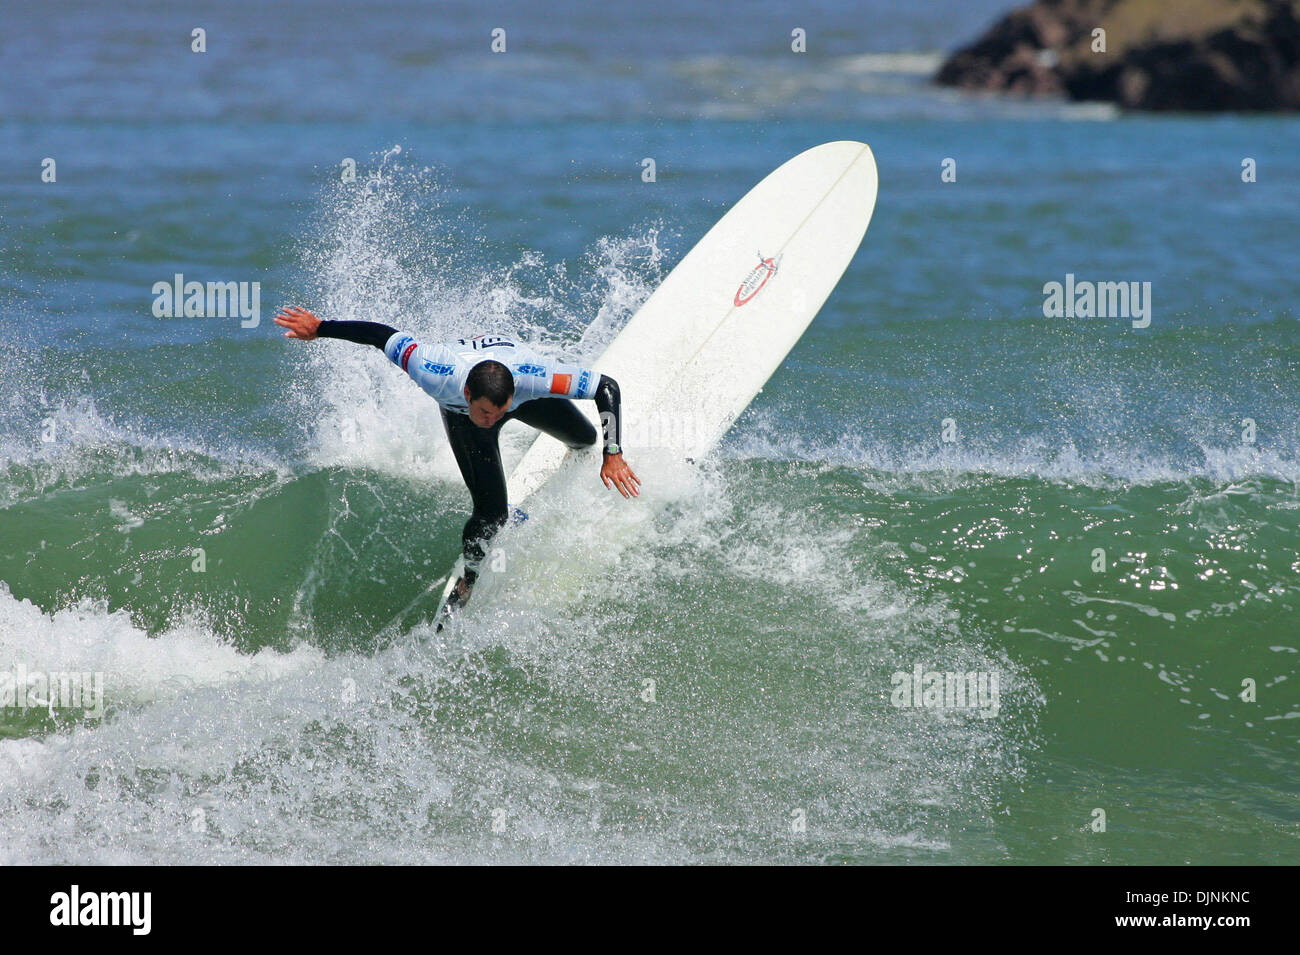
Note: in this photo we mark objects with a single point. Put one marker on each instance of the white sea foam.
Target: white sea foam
(410, 753)
(137, 668)
(363, 411)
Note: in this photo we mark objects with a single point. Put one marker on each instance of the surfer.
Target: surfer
(481, 383)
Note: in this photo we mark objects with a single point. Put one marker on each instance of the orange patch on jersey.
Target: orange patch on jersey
(561, 384)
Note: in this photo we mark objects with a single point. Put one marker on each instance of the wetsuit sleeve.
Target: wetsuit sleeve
(363, 333)
(610, 405)
(537, 380)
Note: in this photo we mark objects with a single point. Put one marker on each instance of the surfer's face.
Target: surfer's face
(484, 413)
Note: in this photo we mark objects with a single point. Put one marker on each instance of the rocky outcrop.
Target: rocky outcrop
(1153, 55)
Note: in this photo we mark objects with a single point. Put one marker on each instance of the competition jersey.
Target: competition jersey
(441, 369)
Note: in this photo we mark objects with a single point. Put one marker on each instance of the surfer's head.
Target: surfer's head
(488, 389)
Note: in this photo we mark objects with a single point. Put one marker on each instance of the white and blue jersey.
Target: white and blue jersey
(441, 369)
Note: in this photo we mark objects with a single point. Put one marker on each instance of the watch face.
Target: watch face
(613, 449)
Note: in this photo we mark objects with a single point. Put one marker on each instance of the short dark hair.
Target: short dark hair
(491, 380)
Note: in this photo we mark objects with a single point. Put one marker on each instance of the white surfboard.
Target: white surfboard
(744, 295)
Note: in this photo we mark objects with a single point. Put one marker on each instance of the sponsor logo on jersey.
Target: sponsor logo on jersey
(406, 354)
(398, 346)
(435, 369)
(756, 279)
(486, 341)
(583, 381)
(560, 384)
(537, 371)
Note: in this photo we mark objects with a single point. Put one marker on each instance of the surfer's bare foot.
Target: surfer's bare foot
(455, 600)
(460, 593)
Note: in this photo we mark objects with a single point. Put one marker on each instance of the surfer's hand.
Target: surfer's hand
(616, 474)
(300, 322)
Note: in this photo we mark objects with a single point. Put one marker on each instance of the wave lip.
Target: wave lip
(135, 667)
(1039, 456)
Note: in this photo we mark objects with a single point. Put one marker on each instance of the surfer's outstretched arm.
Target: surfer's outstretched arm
(430, 366)
(303, 325)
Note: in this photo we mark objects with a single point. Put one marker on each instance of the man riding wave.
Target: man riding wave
(480, 383)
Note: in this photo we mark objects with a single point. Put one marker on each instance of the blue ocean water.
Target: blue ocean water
(685, 689)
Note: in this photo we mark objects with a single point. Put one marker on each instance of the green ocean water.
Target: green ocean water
(223, 524)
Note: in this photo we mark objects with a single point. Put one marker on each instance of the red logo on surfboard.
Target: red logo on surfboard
(756, 279)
